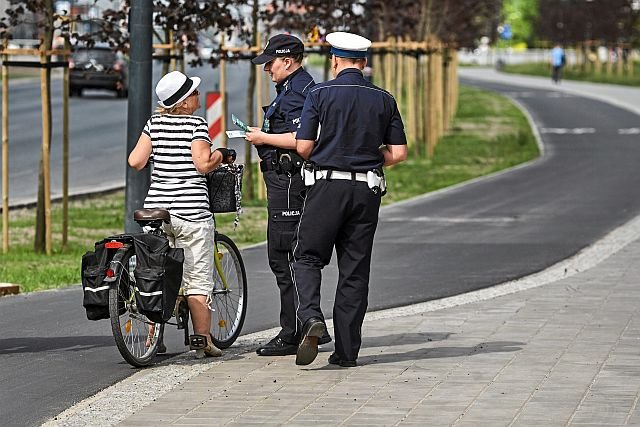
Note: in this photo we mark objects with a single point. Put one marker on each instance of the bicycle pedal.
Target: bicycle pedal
(197, 342)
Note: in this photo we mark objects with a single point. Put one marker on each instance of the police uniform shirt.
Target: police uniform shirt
(283, 114)
(355, 118)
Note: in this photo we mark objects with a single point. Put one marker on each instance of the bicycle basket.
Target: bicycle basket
(225, 188)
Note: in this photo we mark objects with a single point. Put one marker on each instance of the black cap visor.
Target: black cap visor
(263, 59)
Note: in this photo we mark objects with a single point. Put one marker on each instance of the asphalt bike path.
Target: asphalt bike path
(470, 237)
(554, 348)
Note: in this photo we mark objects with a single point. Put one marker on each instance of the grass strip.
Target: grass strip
(489, 134)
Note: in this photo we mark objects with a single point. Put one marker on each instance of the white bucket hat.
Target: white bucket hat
(174, 88)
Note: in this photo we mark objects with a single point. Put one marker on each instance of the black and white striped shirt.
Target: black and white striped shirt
(176, 185)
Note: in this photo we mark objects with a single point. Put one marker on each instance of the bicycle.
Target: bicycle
(138, 338)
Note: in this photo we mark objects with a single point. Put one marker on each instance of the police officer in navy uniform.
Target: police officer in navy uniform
(349, 130)
(276, 144)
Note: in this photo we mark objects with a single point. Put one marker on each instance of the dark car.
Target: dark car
(98, 68)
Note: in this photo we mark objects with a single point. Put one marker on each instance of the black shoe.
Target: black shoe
(335, 360)
(325, 339)
(313, 330)
(161, 348)
(277, 347)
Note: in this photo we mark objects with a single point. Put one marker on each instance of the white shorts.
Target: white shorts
(196, 238)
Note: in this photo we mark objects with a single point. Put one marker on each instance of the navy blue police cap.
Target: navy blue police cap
(279, 45)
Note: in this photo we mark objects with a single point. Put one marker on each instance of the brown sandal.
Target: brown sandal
(203, 347)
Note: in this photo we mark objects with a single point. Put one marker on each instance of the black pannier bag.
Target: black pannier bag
(158, 274)
(95, 290)
(225, 188)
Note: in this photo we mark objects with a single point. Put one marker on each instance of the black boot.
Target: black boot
(277, 347)
(313, 330)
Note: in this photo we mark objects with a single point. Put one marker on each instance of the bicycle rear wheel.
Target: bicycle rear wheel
(137, 337)
(228, 303)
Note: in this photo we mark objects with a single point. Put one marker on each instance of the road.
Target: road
(474, 236)
(97, 135)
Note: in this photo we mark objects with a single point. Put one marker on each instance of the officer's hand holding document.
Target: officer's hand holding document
(237, 133)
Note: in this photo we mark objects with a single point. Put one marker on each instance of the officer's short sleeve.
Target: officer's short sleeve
(308, 127)
(293, 111)
(395, 131)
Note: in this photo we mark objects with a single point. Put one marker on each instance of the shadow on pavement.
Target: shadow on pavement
(402, 339)
(442, 352)
(432, 353)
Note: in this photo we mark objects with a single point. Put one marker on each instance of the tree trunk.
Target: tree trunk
(42, 242)
(424, 28)
(251, 88)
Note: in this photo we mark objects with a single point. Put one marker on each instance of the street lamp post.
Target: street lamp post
(139, 102)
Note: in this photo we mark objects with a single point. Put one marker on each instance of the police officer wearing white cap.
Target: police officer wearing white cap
(276, 144)
(349, 130)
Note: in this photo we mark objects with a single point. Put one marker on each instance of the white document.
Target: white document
(235, 134)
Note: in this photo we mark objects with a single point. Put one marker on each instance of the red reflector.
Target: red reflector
(113, 245)
(110, 272)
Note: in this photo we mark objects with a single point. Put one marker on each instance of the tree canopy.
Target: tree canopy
(460, 22)
(572, 21)
(522, 15)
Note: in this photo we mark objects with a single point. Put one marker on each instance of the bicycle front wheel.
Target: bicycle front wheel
(137, 337)
(229, 296)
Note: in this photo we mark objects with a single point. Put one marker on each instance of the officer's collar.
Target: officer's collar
(286, 82)
(349, 71)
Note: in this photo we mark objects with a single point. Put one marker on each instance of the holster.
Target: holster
(288, 161)
(309, 173)
(377, 182)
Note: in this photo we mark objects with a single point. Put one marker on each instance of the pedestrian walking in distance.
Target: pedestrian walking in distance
(280, 164)
(349, 130)
(558, 60)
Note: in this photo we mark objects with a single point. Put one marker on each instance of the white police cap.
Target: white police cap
(348, 45)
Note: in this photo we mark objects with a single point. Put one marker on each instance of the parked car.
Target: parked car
(98, 68)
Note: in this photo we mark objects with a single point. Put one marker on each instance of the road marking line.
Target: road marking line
(525, 94)
(565, 131)
(450, 220)
(630, 131)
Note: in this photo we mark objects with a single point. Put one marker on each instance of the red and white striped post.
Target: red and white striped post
(214, 102)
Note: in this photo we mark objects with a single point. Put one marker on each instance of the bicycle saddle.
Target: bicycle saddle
(152, 215)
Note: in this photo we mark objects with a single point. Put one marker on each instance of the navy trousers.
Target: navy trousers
(341, 214)
(285, 195)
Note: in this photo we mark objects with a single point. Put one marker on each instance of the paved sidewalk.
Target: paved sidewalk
(560, 348)
(567, 353)
(562, 353)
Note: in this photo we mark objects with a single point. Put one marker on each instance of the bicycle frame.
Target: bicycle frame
(218, 264)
